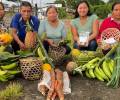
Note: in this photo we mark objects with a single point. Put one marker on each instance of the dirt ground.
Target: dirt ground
(82, 89)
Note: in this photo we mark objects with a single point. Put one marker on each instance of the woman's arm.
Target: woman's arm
(75, 33)
(95, 29)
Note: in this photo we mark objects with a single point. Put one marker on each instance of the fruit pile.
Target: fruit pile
(8, 66)
(103, 72)
(100, 68)
(8, 72)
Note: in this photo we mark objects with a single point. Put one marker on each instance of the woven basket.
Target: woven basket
(57, 54)
(110, 33)
(31, 68)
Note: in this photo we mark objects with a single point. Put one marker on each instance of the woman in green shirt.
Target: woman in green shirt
(85, 25)
(53, 28)
(55, 32)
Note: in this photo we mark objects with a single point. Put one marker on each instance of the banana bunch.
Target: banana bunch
(8, 71)
(103, 72)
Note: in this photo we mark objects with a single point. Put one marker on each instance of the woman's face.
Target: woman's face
(116, 11)
(52, 14)
(82, 9)
(2, 12)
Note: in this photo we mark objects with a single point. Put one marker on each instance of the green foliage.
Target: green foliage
(101, 10)
(62, 13)
(112, 1)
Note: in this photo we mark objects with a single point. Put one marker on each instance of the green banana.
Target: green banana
(10, 66)
(98, 77)
(13, 72)
(111, 65)
(91, 73)
(2, 72)
(90, 66)
(40, 54)
(87, 74)
(3, 78)
(9, 76)
(104, 76)
(94, 60)
(2, 48)
(98, 72)
(106, 69)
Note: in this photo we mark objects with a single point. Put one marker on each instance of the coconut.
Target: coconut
(70, 66)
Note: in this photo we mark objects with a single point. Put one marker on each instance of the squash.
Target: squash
(46, 67)
(30, 38)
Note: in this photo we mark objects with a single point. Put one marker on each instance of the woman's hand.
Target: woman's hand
(50, 41)
(99, 42)
(106, 46)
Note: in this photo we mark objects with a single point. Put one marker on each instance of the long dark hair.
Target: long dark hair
(83, 1)
(114, 4)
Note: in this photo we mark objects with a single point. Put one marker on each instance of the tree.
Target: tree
(73, 3)
(112, 1)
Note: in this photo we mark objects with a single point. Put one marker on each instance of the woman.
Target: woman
(3, 26)
(55, 32)
(85, 24)
(53, 28)
(112, 21)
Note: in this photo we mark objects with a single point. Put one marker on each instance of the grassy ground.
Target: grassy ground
(82, 89)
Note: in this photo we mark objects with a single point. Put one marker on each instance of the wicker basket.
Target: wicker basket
(57, 54)
(110, 33)
(31, 68)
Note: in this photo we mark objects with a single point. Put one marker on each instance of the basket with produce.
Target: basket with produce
(109, 37)
(57, 54)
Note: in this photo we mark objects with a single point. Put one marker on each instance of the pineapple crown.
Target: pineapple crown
(28, 26)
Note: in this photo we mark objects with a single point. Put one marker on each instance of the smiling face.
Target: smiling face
(2, 12)
(82, 9)
(116, 12)
(52, 14)
(25, 12)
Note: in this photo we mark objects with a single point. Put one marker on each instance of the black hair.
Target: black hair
(83, 1)
(2, 5)
(114, 4)
(25, 3)
(51, 6)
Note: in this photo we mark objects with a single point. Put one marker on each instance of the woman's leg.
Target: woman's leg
(92, 45)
